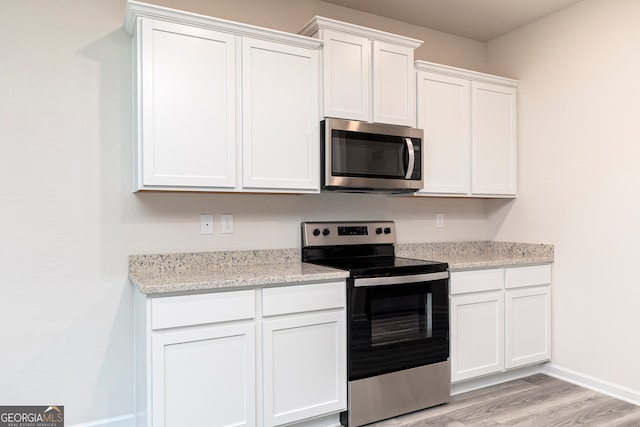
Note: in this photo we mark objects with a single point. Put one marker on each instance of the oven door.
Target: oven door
(397, 323)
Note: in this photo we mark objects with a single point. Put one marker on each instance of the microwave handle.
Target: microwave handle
(412, 158)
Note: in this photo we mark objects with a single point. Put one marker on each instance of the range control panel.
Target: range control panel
(348, 233)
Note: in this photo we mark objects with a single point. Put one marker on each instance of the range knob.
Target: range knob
(325, 232)
(316, 231)
(379, 230)
(387, 230)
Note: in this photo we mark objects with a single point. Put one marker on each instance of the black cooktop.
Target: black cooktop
(385, 266)
(364, 248)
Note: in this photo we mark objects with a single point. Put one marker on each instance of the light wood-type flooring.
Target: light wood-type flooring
(535, 401)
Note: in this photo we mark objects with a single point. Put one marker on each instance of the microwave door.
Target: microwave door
(369, 156)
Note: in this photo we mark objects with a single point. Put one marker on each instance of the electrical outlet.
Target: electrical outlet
(206, 224)
(226, 223)
(439, 220)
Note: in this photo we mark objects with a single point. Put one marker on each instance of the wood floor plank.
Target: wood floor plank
(593, 411)
(535, 413)
(491, 409)
(535, 401)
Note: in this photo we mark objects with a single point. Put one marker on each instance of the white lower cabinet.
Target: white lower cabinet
(304, 352)
(259, 357)
(477, 338)
(500, 319)
(528, 315)
(303, 376)
(204, 377)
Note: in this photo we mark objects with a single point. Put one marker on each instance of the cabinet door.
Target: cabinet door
(444, 106)
(394, 96)
(204, 377)
(281, 122)
(304, 362)
(528, 325)
(347, 74)
(186, 107)
(493, 139)
(477, 334)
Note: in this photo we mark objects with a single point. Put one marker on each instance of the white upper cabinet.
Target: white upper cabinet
(368, 75)
(469, 122)
(222, 106)
(394, 94)
(346, 72)
(280, 116)
(444, 110)
(493, 139)
(186, 120)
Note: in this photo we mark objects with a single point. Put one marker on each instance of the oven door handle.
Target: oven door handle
(400, 280)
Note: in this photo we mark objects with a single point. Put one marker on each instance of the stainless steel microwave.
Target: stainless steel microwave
(371, 157)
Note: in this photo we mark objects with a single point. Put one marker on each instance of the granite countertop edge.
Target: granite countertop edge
(158, 274)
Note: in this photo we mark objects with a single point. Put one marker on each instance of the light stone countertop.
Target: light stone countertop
(158, 274)
(477, 255)
(206, 271)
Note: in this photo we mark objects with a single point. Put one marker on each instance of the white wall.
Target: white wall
(68, 219)
(579, 176)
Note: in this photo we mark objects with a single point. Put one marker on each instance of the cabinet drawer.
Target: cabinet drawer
(528, 276)
(186, 310)
(463, 282)
(301, 298)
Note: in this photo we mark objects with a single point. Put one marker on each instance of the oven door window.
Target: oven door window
(397, 327)
(401, 319)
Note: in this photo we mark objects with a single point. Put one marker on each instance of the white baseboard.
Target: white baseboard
(595, 384)
(121, 421)
(494, 379)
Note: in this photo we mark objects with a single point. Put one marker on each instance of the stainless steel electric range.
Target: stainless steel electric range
(397, 317)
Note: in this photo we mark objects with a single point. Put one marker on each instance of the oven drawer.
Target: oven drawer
(463, 282)
(302, 298)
